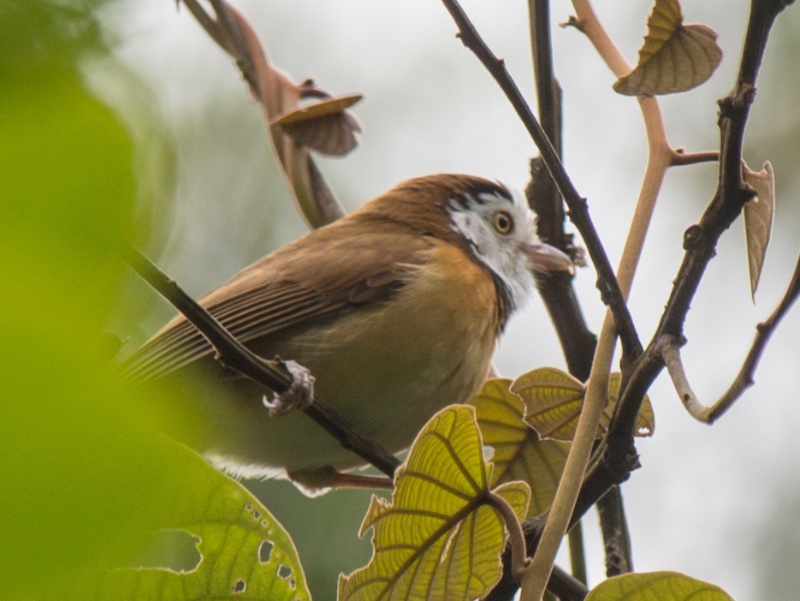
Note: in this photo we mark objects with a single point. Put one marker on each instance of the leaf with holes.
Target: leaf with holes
(553, 401)
(441, 536)
(759, 214)
(519, 452)
(664, 586)
(674, 58)
(240, 549)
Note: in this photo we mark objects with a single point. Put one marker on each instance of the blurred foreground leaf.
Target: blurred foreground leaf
(519, 453)
(440, 537)
(674, 58)
(664, 586)
(243, 552)
(84, 475)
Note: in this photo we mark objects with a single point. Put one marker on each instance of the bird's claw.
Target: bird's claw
(299, 395)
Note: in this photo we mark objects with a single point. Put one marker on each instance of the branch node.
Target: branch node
(693, 237)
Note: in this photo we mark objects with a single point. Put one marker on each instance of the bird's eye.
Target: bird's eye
(503, 222)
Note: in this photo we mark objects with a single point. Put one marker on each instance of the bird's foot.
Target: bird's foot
(299, 395)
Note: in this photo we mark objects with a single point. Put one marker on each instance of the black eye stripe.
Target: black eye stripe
(463, 202)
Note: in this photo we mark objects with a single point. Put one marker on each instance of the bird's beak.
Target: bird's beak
(543, 257)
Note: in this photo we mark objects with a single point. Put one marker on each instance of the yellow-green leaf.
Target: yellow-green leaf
(519, 452)
(674, 58)
(758, 217)
(664, 586)
(439, 538)
(553, 401)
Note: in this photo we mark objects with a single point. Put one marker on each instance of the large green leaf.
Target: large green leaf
(241, 549)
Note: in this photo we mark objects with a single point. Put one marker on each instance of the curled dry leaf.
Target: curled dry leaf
(674, 57)
(324, 126)
(759, 214)
(519, 452)
(554, 399)
(440, 538)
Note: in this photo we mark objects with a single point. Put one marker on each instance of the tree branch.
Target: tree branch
(272, 374)
(577, 341)
(744, 379)
(700, 247)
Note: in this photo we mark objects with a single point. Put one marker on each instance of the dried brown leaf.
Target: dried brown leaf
(324, 126)
(674, 58)
(759, 214)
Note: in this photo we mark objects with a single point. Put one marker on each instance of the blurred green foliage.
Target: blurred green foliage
(82, 468)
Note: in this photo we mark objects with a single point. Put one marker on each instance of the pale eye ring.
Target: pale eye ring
(503, 222)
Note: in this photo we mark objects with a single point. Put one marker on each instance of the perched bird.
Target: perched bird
(395, 310)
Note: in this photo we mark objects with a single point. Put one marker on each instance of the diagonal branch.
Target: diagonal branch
(272, 374)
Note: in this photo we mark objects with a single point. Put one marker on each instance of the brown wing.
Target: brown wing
(323, 275)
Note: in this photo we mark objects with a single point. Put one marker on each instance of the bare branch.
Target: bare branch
(744, 379)
(271, 374)
(670, 353)
(616, 538)
(700, 245)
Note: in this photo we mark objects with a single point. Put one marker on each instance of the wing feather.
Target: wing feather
(322, 276)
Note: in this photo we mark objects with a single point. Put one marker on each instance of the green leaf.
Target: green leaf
(554, 399)
(440, 537)
(664, 586)
(242, 549)
(674, 58)
(759, 215)
(519, 452)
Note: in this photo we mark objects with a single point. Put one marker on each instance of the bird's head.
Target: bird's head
(488, 220)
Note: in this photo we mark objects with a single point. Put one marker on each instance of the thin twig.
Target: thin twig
(619, 456)
(271, 374)
(745, 378)
(700, 245)
(670, 353)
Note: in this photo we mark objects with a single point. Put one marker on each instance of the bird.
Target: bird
(395, 309)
